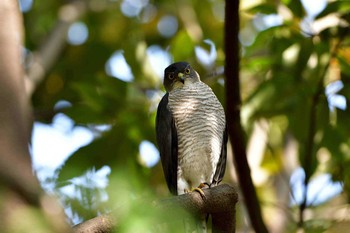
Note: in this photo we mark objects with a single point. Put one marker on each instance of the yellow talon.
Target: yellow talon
(199, 189)
(200, 192)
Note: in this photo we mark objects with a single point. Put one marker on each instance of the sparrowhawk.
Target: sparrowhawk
(191, 131)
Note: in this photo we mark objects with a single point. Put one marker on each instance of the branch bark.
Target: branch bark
(233, 104)
(220, 202)
(20, 190)
(99, 224)
(15, 113)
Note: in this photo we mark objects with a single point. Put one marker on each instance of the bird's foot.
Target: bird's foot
(199, 189)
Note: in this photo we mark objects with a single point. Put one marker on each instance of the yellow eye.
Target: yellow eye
(171, 76)
(187, 71)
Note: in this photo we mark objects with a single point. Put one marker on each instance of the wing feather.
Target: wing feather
(220, 168)
(167, 143)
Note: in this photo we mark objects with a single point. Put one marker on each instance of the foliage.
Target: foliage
(297, 69)
(285, 69)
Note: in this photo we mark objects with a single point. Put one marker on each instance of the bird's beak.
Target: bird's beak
(181, 77)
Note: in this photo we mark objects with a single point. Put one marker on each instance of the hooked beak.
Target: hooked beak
(181, 77)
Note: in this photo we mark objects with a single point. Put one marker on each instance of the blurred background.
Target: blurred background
(94, 69)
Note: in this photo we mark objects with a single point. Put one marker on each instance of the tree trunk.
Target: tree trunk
(233, 105)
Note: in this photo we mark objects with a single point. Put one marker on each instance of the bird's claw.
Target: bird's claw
(200, 191)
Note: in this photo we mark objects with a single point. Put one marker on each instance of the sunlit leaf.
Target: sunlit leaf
(182, 46)
(297, 8)
(265, 8)
(335, 6)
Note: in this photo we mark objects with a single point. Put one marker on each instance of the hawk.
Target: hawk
(191, 131)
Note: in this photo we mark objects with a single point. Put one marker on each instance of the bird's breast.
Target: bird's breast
(200, 123)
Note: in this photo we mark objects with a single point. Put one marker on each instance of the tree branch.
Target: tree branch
(15, 114)
(220, 202)
(100, 224)
(20, 190)
(233, 104)
(49, 52)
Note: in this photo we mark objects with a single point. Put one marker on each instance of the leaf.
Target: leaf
(114, 148)
(306, 49)
(338, 7)
(265, 8)
(117, 148)
(99, 101)
(297, 8)
(316, 225)
(182, 46)
(344, 65)
(263, 38)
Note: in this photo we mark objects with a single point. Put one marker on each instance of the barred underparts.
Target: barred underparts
(200, 122)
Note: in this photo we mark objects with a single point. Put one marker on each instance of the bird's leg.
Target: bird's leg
(202, 185)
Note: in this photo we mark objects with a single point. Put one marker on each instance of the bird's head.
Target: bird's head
(179, 74)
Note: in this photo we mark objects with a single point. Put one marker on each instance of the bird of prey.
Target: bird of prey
(191, 131)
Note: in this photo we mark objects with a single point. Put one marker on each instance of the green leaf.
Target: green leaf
(265, 8)
(263, 38)
(344, 65)
(296, 8)
(339, 7)
(117, 148)
(182, 46)
(99, 100)
(114, 148)
(306, 49)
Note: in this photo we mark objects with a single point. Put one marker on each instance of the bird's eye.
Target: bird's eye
(187, 71)
(171, 76)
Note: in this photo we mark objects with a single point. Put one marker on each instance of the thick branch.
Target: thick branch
(20, 190)
(219, 202)
(15, 166)
(100, 224)
(233, 104)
